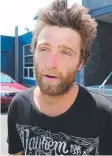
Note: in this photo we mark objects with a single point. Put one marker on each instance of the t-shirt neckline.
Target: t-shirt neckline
(58, 116)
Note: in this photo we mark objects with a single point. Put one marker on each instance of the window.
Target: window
(25, 72)
(31, 72)
(28, 63)
(28, 60)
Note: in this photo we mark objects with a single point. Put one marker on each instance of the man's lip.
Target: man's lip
(50, 76)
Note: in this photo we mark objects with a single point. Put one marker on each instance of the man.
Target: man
(60, 117)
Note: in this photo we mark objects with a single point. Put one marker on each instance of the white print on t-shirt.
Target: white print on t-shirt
(40, 142)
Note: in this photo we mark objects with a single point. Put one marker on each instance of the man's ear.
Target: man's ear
(80, 65)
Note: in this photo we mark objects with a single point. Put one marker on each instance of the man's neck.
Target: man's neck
(55, 105)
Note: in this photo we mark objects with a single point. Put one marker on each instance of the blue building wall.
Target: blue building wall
(8, 55)
(96, 4)
(101, 11)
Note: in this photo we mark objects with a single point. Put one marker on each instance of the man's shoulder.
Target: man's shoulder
(20, 106)
(98, 100)
(101, 101)
(23, 97)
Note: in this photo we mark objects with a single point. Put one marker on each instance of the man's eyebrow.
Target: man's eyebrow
(44, 44)
(66, 47)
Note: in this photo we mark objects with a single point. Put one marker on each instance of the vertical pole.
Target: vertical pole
(16, 55)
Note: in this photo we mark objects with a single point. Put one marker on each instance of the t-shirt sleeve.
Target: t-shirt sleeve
(13, 139)
(108, 134)
(107, 127)
(104, 105)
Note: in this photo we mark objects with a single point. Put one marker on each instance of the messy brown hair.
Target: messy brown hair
(76, 17)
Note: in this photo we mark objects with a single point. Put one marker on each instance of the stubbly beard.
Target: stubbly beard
(55, 89)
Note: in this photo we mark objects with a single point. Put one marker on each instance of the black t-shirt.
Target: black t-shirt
(84, 129)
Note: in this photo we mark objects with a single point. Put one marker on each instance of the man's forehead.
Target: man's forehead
(55, 32)
(56, 36)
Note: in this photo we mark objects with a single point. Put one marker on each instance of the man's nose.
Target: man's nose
(52, 61)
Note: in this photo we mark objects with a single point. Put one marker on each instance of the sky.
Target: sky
(21, 13)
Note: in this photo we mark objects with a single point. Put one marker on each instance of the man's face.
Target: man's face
(56, 59)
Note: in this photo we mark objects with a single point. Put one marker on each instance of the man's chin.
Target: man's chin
(53, 90)
(49, 89)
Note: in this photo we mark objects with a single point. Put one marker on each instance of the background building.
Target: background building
(17, 59)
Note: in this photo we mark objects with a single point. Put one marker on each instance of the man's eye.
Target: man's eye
(65, 53)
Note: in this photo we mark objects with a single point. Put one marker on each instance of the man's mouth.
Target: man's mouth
(50, 77)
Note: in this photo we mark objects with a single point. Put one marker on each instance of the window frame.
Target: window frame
(28, 68)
